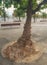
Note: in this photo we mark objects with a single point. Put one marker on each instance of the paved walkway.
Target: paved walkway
(39, 34)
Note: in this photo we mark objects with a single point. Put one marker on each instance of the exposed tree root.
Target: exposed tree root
(28, 53)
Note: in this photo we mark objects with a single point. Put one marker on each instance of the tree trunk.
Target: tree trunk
(26, 36)
(19, 18)
(4, 15)
(34, 18)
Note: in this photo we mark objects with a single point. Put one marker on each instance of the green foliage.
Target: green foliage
(21, 5)
(34, 4)
(0, 1)
(7, 3)
(19, 13)
(44, 15)
(0, 11)
(21, 8)
(44, 6)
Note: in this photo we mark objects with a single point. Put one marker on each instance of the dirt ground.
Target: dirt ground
(39, 34)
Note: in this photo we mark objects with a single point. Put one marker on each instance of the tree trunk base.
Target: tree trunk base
(25, 54)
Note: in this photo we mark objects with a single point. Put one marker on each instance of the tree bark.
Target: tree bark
(34, 18)
(26, 36)
(19, 18)
(4, 15)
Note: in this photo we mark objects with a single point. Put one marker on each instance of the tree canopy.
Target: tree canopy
(21, 5)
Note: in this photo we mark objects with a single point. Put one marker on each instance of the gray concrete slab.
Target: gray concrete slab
(39, 34)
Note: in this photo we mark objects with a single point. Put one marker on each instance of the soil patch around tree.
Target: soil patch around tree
(25, 54)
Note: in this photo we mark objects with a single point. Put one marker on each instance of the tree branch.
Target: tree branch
(39, 6)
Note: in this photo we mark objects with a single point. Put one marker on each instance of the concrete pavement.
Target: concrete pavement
(39, 34)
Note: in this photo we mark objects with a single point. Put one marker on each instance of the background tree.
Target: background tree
(19, 13)
(0, 11)
(4, 4)
(44, 15)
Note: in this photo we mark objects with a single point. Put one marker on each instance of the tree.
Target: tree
(6, 3)
(44, 15)
(24, 45)
(34, 17)
(19, 13)
(0, 11)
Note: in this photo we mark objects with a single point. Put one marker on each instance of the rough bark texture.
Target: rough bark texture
(26, 37)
